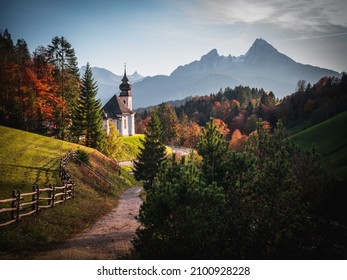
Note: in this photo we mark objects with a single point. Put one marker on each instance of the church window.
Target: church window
(125, 124)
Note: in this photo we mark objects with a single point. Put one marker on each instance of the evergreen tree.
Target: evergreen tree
(87, 120)
(62, 56)
(181, 217)
(151, 155)
(213, 148)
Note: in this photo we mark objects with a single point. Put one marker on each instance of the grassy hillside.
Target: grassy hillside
(131, 146)
(330, 139)
(27, 159)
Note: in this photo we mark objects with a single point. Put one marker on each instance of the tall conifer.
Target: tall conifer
(151, 155)
(62, 55)
(87, 120)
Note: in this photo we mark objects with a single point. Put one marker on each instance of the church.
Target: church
(118, 110)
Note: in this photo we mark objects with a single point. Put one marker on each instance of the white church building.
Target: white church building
(118, 110)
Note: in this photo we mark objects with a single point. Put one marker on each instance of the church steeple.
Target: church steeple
(125, 87)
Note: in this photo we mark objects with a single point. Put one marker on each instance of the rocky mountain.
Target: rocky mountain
(108, 82)
(262, 67)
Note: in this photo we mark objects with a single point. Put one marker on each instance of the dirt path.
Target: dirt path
(109, 238)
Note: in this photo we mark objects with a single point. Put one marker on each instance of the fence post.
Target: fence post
(33, 198)
(65, 192)
(37, 199)
(18, 205)
(49, 195)
(53, 195)
(13, 205)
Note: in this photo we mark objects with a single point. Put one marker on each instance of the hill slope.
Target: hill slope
(27, 159)
(330, 139)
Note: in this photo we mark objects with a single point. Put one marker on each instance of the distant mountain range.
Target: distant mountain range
(262, 67)
(108, 82)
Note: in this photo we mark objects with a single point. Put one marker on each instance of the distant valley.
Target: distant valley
(261, 67)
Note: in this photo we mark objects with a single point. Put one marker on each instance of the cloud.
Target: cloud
(294, 14)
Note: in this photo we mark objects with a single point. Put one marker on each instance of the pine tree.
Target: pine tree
(87, 120)
(213, 148)
(151, 155)
(63, 57)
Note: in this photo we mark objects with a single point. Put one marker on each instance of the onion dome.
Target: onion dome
(125, 87)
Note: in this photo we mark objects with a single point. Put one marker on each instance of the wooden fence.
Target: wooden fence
(25, 204)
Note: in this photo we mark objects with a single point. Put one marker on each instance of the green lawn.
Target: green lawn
(330, 139)
(131, 147)
(28, 159)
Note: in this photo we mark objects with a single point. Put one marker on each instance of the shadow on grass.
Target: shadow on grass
(50, 167)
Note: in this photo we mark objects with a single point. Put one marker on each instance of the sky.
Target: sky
(154, 37)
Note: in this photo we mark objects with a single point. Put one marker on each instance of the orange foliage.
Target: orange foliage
(238, 141)
(40, 89)
(235, 103)
(221, 126)
(190, 135)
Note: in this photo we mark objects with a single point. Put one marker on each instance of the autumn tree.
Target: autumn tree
(221, 126)
(170, 123)
(237, 141)
(190, 134)
(87, 120)
(40, 90)
(114, 142)
(28, 88)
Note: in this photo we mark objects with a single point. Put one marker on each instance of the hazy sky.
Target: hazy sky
(155, 36)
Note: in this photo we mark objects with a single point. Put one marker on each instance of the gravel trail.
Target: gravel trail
(109, 238)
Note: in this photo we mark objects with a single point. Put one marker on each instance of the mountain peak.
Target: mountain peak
(261, 42)
(213, 54)
(260, 45)
(263, 51)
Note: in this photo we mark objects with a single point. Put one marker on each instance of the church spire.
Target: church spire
(125, 87)
(125, 78)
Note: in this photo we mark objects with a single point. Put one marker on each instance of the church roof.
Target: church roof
(115, 107)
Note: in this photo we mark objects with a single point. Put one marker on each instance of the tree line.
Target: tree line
(236, 111)
(43, 93)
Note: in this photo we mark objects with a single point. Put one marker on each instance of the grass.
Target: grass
(28, 159)
(131, 147)
(330, 139)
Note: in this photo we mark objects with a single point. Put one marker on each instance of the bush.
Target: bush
(82, 156)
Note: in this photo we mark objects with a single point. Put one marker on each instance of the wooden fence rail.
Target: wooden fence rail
(25, 204)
